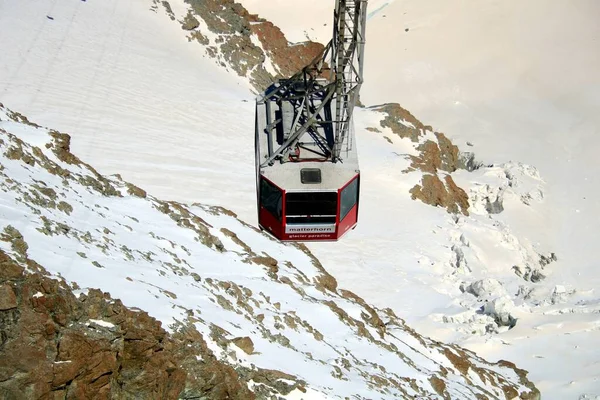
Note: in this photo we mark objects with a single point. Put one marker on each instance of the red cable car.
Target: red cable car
(307, 174)
(305, 198)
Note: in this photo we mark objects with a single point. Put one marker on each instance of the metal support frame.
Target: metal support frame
(333, 77)
(348, 46)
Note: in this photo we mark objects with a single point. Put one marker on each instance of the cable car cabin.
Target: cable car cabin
(303, 192)
(307, 177)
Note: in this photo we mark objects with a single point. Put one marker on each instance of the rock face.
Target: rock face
(244, 343)
(445, 194)
(437, 158)
(287, 59)
(249, 45)
(401, 121)
(56, 345)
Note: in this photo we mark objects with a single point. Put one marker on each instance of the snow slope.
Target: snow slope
(521, 81)
(201, 265)
(151, 107)
(144, 102)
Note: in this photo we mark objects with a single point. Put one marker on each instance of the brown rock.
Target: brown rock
(9, 269)
(244, 343)
(62, 148)
(289, 59)
(49, 349)
(396, 118)
(439, 386)
(18, 117)
(135, 191)
(429, 160)
(210, 378)
(237, 240)
(276, 379)
(458, 195)
(196, 277)
(65, 207)
(448, 153)
(8, 299)
(431, 191)
(434, 157)
(13, 236)
(235, 26)
(190, 22)
(327, 282)
(267, 261)
(434, 192)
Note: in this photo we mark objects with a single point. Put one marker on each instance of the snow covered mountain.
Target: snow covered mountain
(153, 91)
(268, 309)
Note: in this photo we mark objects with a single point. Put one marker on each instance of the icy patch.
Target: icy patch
(496, 273)
(99, 322)
(486, 288)
(491, 186)
(268, 63)
(500, 309)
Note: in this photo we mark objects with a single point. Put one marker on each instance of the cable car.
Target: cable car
(307, 173)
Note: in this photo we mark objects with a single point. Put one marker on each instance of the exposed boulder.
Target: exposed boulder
(288, 59)
(190, 22)
(8, 299)
(434, 157)
(244, 343)
(449, 157)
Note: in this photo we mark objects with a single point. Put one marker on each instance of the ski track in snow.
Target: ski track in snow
(141, 101)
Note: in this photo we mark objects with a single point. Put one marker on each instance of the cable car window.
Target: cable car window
(303, 207)
(271, 198)
(348, 199)
(310, 175)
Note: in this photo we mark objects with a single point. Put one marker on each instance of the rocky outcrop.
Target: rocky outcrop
(253, 47)
(288, 59)
(245, 344)
(437, 159)
(401, 121)
(444, 194)
(434, 157)
(54, 344)
(440, 154)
